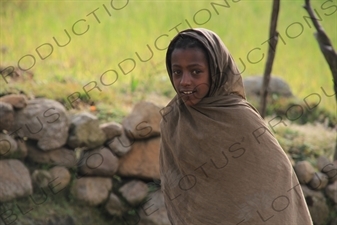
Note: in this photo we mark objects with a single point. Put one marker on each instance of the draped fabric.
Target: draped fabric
(219, 162)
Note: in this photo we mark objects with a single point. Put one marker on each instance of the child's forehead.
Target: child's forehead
(195, 50)
(189, 55)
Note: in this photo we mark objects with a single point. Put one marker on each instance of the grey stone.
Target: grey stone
(331, 171)
(43, 120)
(277, 86)
(111, 129)
(331, 191)
(319, 181)
(322, 163)
(153, 211)
(61, 178)
(134, 192)
(142, 161)
(114, 206)
(18, 101)
(58, 157)
(85, 131)
(304, 171)
(120, 145)
(6, 116)
(143, 122)
(15, 180)
(11, 148)
(8, 146)
(91, 190)
(98, 162)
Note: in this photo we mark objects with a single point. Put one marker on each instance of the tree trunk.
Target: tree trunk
(273, 38)
(327, 49)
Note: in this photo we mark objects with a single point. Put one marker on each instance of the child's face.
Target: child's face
(190, 74)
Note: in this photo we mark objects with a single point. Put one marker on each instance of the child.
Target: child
(219, 163)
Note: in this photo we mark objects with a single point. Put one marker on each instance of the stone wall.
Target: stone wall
(85, 157)
(81, 155)
(319, 185)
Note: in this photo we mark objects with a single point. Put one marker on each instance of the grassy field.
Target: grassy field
(103, 62)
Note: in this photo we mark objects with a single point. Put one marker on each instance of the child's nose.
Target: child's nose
(185, 80)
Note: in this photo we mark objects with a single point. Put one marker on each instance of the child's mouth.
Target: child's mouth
(187, 92)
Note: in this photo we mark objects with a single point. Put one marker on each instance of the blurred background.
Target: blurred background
(111, 33)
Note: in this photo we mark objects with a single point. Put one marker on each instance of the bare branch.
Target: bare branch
(327, 49)
(273, 38)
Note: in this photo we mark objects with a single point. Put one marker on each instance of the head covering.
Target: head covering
(225, 76)
(219, 163)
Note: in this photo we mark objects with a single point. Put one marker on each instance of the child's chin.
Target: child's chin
(190, 102)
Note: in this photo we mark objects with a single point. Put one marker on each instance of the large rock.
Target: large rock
(15, 180)
(134, 192)
(11, 148)
(331, 191)
(331, 171)
(43, 120)
(98, 162)
(120, 145)
(85, 131)
(58, 157)
(304, 171)
(91, 190)
(6, 116)
(111, 129)
(143, 122)
(154, 210)
(322, 163)
(317, 205)
(142, 161)
(277, 86)
(114, 206)
(8, 146)
(60, 178)
(18, 101)
(319, 181)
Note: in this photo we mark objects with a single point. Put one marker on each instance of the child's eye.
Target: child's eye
(195, 72)
(175, 72)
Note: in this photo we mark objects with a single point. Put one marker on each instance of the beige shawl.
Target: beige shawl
(219, 163)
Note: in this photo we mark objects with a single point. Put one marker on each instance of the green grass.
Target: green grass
(243, 26)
